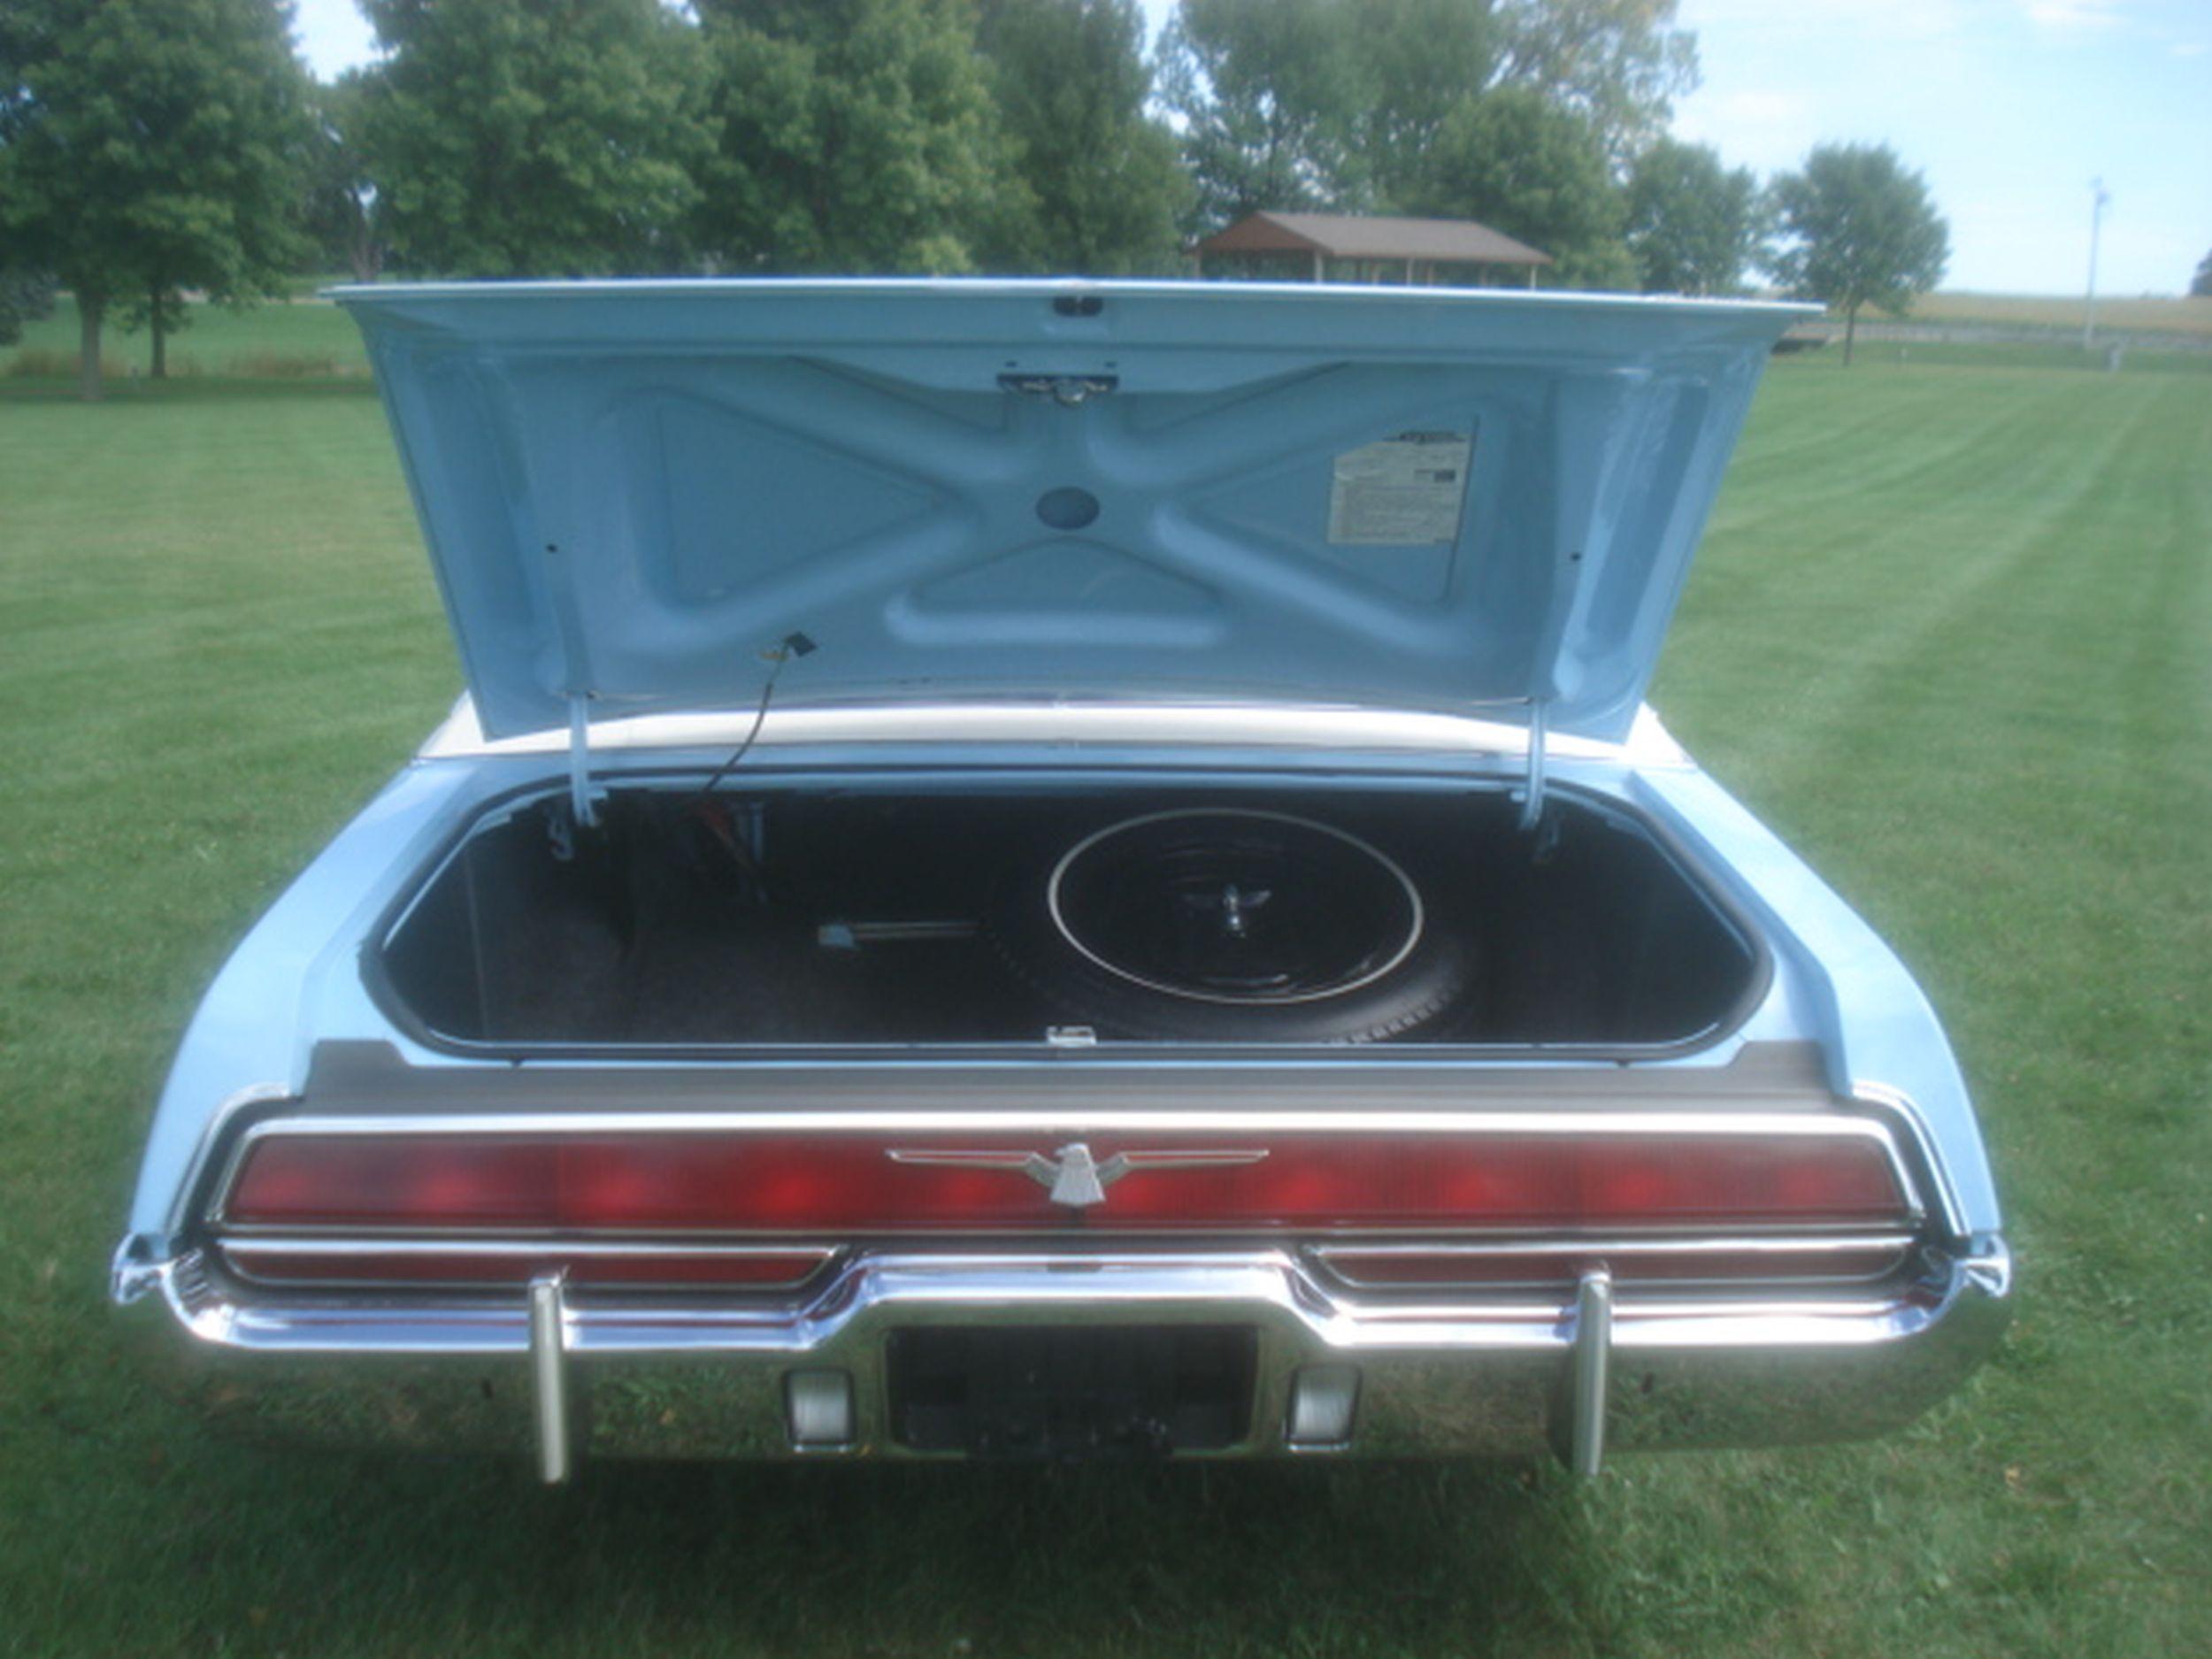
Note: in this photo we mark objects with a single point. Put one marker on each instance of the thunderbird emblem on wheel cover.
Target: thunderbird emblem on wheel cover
(1071, 1175)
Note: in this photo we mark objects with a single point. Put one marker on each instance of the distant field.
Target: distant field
(2061, 352)
(280, 340)
(2186, 316)
(1948, 632)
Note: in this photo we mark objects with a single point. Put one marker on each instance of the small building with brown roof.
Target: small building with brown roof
(1353, 248)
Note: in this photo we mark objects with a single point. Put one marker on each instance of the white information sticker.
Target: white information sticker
(1406, 491)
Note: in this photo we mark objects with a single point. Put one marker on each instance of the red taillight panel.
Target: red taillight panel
(849, 1184)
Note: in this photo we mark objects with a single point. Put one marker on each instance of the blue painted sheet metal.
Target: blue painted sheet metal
(633, 492)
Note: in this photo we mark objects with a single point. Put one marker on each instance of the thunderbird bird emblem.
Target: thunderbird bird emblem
(1071, 1175)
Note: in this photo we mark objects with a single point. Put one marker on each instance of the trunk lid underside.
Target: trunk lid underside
(640, 498)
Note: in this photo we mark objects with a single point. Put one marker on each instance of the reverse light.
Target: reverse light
(818, 1406)
(1322, 1399)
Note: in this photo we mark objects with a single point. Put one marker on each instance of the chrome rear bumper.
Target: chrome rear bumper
(557, 1377)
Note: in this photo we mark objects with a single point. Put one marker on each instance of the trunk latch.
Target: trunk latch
(1067, 390)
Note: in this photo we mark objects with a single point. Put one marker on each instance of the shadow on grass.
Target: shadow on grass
(326, 1552)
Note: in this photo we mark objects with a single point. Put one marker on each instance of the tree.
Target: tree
(533, 137)
(148, 147)
(1421, 60)
(1861, 231)
(343, 202)
(2201, 286)
(1072, 84)
(26, 296)
(854, 135)
(1693, 225)
(1524, 164)
(1620, 63)
(1268, 92)
(1339, 103)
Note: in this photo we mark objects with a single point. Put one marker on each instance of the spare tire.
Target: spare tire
(1231, 925)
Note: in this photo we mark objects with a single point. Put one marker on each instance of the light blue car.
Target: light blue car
(1053, 869)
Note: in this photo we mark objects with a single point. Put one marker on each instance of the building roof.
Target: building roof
(1351, 236)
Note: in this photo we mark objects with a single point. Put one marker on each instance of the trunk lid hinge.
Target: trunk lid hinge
(576, 658)
(580, 791)
(1532, 790)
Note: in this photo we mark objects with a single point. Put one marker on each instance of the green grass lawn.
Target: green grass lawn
(1952, 634)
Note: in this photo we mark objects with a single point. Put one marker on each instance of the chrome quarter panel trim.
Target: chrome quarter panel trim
(698, 1379)
(210, 1147)
(1913, 1124)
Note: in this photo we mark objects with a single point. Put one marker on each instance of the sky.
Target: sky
(2009, 107)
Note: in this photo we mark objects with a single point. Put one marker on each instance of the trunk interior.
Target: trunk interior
(794, 913)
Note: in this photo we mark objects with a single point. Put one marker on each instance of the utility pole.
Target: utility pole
(2098, 197)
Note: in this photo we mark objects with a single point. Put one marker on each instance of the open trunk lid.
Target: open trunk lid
(644, 497)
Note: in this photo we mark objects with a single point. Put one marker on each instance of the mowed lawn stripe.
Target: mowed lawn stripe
(2002, 761)
(1849, 580)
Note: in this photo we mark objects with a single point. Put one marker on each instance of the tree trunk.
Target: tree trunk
(159, 368)
(363, 252)
(90, 309)
(366, 257)
(1850, 329)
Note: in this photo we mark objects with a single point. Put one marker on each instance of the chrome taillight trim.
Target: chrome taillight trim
(1620, 1252)
(1099, 1128)
(336, 1246)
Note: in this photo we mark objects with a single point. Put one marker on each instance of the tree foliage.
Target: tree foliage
(1520, 163)
(1859, 230)
(1268, 91)
(2202, 284)
(148, 147)
(1694, 225)
(533, 136)
(1620, 63)
(1419, 61)
(1345, 104)
(1106, 187)
(854, 135)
